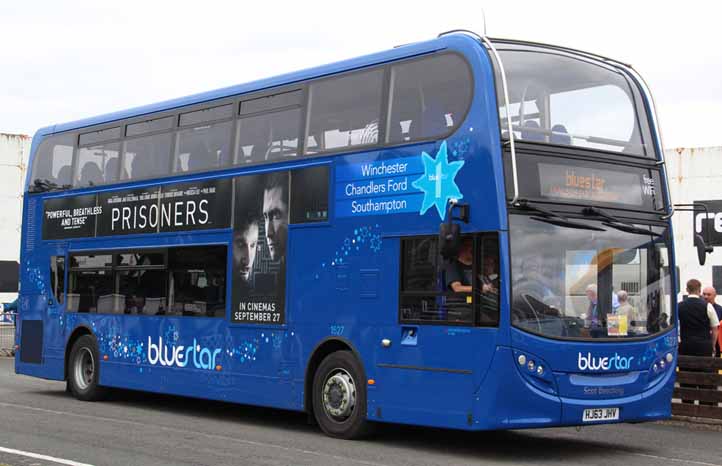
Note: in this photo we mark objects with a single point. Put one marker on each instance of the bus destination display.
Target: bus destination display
(574, 183)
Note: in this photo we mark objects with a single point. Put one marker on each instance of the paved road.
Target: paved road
(37, 416)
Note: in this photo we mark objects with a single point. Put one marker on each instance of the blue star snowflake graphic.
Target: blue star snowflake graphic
(437, 182)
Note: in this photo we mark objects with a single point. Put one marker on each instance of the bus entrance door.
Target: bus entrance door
(427, 373)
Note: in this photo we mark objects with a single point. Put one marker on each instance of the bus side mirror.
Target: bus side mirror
(702, 248)
(450, 232)
(701, 242)
(449, 240)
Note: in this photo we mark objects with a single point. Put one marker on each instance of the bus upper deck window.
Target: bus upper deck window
(268, 136)
(203, 147)
(564, 100)
(430, 97)
(345, 111)
(147, 156)
(53, 162)
(97, 165)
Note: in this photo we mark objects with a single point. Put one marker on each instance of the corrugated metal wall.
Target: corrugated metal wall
(14, 151)
(695, 174)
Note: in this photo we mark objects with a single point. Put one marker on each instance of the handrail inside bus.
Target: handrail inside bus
(512, 147)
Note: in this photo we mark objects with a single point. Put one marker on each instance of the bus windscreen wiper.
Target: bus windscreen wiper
(614, 222)
(547, 216)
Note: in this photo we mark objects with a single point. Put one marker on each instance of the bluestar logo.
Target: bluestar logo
(616, 362)
(437, 182)
(180, 356)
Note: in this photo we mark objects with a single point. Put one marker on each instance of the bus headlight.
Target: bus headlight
(535, 371)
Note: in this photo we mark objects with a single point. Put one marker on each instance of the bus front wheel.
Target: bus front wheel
(84, 370)
(339, 396)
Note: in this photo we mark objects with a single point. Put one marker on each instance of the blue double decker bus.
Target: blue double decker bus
(465, 233)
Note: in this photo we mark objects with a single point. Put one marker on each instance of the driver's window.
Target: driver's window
(489, 279)
(463, 289)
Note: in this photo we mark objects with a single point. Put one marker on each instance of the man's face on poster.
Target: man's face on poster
(275, 217)
(245, 244)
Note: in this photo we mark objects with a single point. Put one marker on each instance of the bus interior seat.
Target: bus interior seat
(111, 170)
(90, 174)
(138, 165)
(198, 157)
(529, 134)
(64, 175)
(560, 136)
(277, 150)
(435, 121)
(405, 114)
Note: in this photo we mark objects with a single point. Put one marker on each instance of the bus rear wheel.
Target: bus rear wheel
(84, 370)
(339, 396)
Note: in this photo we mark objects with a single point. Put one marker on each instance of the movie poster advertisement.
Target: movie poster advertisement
(70, 217)
(260, 237)
(196, 205)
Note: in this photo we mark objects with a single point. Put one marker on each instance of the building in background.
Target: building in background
(14, 150)
(695, 175)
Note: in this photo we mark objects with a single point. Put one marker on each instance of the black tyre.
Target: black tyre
(339, 396)
(84, 370)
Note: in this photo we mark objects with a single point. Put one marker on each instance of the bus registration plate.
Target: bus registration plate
(600, 414)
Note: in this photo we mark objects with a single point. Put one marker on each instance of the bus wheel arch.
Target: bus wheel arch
(336, 358)
(84, 369)
(77, 333)
(324, 348)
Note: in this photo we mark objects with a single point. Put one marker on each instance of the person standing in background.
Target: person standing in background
(698, 323)
(698, 327)
(710, 294)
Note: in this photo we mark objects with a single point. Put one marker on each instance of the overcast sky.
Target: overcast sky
(67, 60)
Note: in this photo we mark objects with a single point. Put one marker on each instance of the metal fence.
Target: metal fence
(7, 334)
